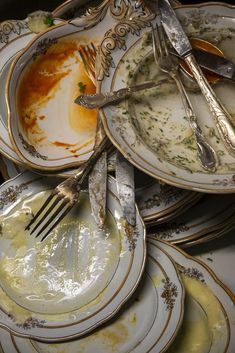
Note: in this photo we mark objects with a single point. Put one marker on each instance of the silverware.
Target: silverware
(97, 181)
(181, 44)
(99, 100)
(169, 64)
(126, 188)
(214, 63)
(63, 197)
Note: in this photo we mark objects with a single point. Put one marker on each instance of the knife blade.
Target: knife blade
(212, 62)
(97, 182)
(181, 44)
(126, 188)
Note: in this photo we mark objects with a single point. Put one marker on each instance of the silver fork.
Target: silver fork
(169, 64)
(66, 194)
(88, 54)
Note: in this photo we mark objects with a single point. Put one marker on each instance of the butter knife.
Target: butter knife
(126, 188)
(97, 182)
(181, 44)
(214, 63)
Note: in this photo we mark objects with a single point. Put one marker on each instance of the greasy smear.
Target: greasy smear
(80, 118)
(67, 271)
(40, 78)
(41, 82)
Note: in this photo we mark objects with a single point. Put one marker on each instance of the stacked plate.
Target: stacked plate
(112, 289)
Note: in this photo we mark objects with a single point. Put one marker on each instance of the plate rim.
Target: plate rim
(125, 293)
(132, 159)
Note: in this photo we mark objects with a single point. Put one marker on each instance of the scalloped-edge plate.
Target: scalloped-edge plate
(211, 216)
(211, 326)
(149, 322)
(150, 128)
(108, 290)
(47, 129)
(156, 202)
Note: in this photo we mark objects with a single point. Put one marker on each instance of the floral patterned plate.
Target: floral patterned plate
(148, 322)
(156, 202)
(212, 215)
(210, 326)
(47, 129)
(74, 281)
(150, 129)
(15, 35)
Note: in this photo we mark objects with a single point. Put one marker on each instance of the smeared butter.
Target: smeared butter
(67, 271)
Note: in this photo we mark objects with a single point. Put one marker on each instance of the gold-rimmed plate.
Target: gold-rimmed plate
(212, 216)
(159, 202)
(156, 202)
(149, 322)
(209, 311)
(80, 277)
(150, 129)
(47, 129)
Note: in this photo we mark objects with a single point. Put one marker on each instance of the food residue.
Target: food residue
(67, 271)
(46, 94)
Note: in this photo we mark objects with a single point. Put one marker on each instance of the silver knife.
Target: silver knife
(213, 63)
(181, 44)
(126, 188)
(97, 183)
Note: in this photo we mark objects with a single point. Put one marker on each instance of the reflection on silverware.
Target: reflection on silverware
(99, 100)
(181, 44)
(126, 188)
(64, 196)
(210, 58)
(167, 63)
(97, 181)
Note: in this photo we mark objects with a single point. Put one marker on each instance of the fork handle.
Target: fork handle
(86, 168)
(221, 115)
(206, 153)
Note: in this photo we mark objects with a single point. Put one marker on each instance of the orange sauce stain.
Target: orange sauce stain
(82, 119)
(41, 76)
(63, 144)
(37, 86)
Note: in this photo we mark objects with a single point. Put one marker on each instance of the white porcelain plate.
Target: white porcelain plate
(48, 130)
(209, 325)
(156, 202)
(74, 281)
(159, 202)
(148, 322)
(15, 36)
(150, 128)
(213, 214)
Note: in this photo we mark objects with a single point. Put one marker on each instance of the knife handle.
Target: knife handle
(222, 117)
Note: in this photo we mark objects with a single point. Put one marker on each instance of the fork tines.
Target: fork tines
(88, 54)
(60, 205)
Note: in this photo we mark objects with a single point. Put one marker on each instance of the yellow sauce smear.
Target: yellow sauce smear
(40, 81)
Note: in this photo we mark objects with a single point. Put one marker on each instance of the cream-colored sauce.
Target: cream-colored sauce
(194, 335)
(66, 271)
(204, 321)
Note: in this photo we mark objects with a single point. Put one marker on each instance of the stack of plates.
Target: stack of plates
(114, 289)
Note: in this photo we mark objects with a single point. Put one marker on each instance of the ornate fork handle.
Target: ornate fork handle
(221, 115)
(206, 153)
(98, 100)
